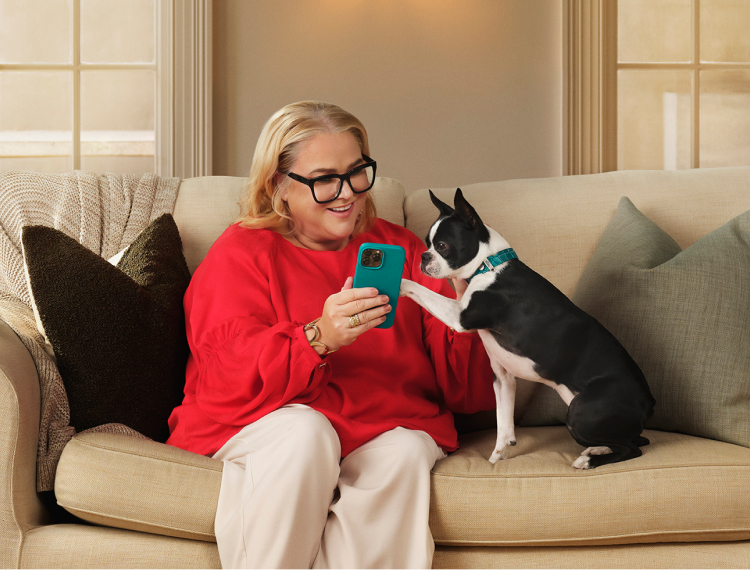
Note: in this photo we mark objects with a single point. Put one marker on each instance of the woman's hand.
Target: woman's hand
(335, 326)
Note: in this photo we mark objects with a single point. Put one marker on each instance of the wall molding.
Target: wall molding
(589, 86)
(184, 112)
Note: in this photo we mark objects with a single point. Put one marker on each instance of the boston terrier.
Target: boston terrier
(531, 330)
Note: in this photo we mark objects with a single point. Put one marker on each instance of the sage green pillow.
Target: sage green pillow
(684, 317)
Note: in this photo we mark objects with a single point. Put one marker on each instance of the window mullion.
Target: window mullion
(695, 136)
(76, 84)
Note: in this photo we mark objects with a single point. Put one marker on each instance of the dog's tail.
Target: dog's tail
(620, 452)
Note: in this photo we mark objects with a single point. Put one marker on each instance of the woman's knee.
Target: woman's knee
(414, 448)
(312, 435)
(293, 437)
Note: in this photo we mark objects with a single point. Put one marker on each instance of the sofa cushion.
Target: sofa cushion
(682, 489)
(136, 484)
(118, 332)
(681, 314)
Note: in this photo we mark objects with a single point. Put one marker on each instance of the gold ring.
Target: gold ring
(354, 321)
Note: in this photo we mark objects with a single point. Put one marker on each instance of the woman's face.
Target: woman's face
(325, 226)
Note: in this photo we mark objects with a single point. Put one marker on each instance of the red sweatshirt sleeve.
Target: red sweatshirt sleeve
(461, 363)
(248, 358)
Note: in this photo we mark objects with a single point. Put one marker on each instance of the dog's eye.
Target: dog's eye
(441, 246)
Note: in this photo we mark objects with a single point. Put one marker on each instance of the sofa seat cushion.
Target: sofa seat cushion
(683, 489)
(136, 484)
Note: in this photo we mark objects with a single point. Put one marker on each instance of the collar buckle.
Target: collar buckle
(489, 263)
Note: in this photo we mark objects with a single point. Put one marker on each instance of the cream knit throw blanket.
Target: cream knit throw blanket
(105, 214)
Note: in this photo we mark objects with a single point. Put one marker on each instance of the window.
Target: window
(78, 85)
(656, 84)
(105, 86)
(683, 84)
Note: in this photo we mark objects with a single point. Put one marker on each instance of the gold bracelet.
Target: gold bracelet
(314, 342)
(314, 326)
(327, 350)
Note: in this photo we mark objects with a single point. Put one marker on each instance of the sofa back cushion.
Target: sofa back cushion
(554, 224)
(208, 205)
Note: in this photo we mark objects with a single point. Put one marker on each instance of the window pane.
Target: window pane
(35, 31)
(118, 164)
(36, 118)
(652, 31)
(653, 120)
(117, 121)
(725, 30)
(725, 118)
(113, 31)
(49, 164)
(117, 100)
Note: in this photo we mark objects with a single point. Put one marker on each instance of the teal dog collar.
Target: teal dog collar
(494, 260)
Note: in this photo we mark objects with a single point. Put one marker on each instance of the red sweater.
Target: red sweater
(245, 308)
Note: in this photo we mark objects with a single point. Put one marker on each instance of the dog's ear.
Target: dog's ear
(445, 209)
(469, 215)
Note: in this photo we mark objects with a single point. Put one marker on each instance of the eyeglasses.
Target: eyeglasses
(328, 187)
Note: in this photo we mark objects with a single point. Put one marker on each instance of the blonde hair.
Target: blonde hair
(278, 146)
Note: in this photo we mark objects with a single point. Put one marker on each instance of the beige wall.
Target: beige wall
(451, 91)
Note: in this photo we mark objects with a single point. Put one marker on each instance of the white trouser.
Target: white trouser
(287, 500)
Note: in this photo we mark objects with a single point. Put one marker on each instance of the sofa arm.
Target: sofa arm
(20, 507)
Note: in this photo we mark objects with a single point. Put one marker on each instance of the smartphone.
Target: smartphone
(381, 266)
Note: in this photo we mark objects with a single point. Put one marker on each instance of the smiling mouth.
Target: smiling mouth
(342, 208)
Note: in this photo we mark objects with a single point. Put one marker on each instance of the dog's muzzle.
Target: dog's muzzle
(427, 259)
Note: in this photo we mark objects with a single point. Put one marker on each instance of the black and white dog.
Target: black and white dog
(531, 330)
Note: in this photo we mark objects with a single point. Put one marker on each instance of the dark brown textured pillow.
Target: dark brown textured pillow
(118, 333)
(682, 315)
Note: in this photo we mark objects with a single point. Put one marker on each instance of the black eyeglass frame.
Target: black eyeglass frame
(341, 177)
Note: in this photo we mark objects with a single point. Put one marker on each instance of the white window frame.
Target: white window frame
(184, 112)
(589, 86)
(183, 125)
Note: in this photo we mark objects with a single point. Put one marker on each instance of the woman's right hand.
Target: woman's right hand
(334, 325)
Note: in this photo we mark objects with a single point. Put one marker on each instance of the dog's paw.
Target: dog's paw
(498, 455)
(582, 462)
(501, 451)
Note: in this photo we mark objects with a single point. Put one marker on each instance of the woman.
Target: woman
(328, 439)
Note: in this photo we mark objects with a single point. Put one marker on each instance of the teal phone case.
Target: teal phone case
(385, 276)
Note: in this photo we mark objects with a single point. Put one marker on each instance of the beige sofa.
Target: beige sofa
(684, 503)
